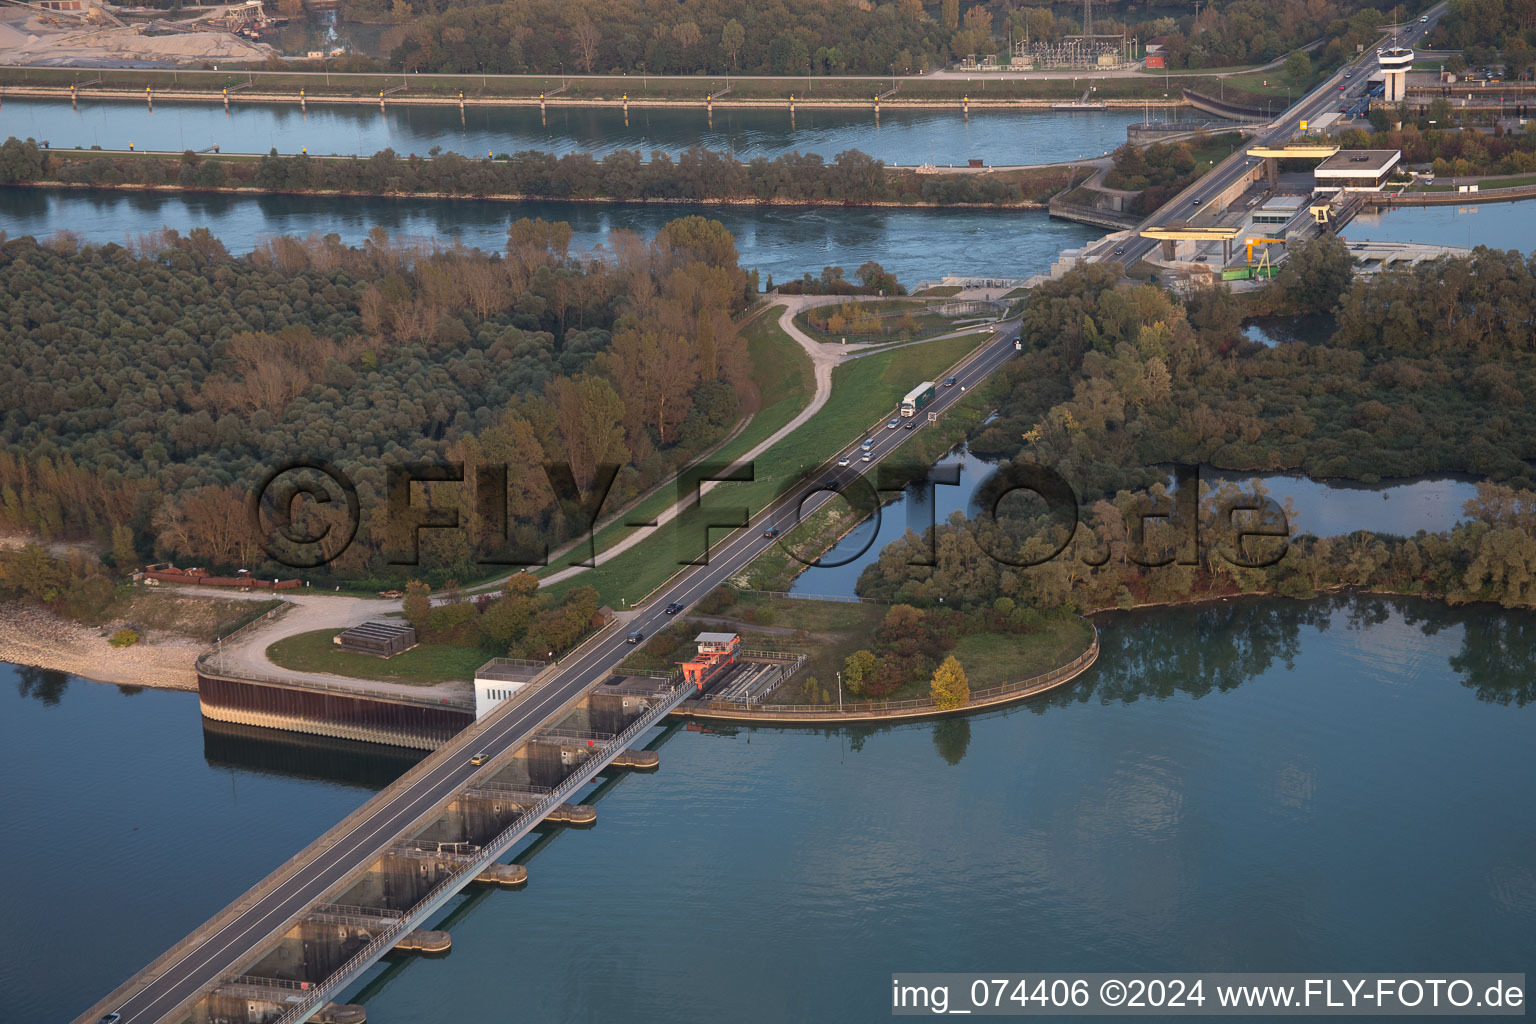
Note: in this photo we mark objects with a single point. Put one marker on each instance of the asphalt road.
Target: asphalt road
(227, 950)
(1194, 200)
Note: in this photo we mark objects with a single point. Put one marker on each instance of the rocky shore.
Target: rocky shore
(31, 636)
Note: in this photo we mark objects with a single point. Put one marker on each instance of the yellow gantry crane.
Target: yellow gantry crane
(1251, 242)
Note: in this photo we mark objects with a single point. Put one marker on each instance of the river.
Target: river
(915, 245)
(899, 136)
(1324, 508)
(1244, 786)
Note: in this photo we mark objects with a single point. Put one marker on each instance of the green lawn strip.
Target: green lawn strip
(922, 324)
(863, 391)
(938, 292)
(992, 659)
(1482, 183)
(785, 382)
(422, 665)
(989, 659)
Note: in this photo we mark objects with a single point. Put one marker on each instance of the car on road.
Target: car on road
(635, 637)
(866, 457)
(477, 761)
(911, 424)
(1349, 74)
(868, 443)
(949, 382)
(831, 484)
(771, 532)
(1119, 252)
(674, 608)
(893, 424)
(845, 462)
(1424, 20)
(111, 1018)
(1194, 202)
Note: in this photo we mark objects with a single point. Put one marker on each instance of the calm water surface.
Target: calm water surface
(1344, 784)
(1497, 225)
(916, 245)
(899, 136)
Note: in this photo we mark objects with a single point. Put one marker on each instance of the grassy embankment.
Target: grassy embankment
(865, 390)
(827, 632)
(178, 611)
(422, 665)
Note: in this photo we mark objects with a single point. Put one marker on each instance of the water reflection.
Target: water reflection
(951, 737)
(43, 685)
(778, 241)
(300, 756)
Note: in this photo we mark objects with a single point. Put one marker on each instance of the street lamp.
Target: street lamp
(839, 691)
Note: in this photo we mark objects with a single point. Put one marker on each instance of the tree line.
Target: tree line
(1447, 150)
(1426, 371)
(697, 174)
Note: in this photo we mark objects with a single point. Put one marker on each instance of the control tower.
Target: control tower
(1395, 62)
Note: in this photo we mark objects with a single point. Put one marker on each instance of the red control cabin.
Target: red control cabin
(716, 650)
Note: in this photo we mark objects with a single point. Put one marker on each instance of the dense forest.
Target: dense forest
(825, 37)
(1488, 29)
(146, 390)
(698, 175)
(1426, 372)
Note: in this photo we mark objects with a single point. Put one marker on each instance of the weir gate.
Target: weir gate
(309, 930)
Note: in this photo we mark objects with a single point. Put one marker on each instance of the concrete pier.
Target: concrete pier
(505, 876)
(425, 940)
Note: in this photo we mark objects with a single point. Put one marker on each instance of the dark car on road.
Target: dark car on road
(674, 608)
(949, 382)
(635, 637)
(771, 532)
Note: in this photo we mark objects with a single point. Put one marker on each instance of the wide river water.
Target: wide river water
(898, 137)
(1342, 784)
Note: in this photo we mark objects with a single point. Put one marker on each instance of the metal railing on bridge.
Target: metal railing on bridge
(491, 852)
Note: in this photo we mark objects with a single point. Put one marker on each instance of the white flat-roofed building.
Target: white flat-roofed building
(500, 679)
(1356, 170)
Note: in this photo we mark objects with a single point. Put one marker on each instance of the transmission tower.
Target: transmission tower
(1087, 17)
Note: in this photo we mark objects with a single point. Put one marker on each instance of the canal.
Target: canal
(899, 136)
(1243, 786)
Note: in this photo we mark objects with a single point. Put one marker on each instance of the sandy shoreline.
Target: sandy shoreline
(31, 636)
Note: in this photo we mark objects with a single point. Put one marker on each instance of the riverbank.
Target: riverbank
(38, 638)
(881, 712)
(710, 177)
(498, 197)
